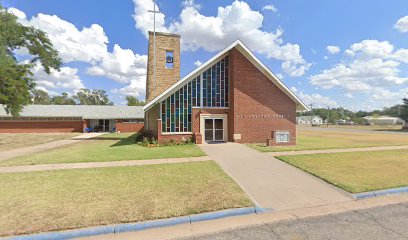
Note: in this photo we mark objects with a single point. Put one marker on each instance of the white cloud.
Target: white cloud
(213, 33)
(270, 7)
(371, 49)
(19, 14)
(144, 19)
(66, 79)
(88, 45)
(372, 68)
(137, 88)
(198, 63)
(122, 65)
(317, 100)
(371, 64)
(402, 24)
(349, 95)
(333, 49)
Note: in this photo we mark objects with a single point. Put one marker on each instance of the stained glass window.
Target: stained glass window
(208, 90)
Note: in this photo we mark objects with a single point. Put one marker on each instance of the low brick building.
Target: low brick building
(231, 97)
(73, 118)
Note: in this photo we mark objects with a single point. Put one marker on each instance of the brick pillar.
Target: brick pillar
(198, 138)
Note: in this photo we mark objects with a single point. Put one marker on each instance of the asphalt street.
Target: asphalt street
(385, 223)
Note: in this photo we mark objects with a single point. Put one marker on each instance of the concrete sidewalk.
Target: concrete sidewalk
(342, 150)
(45, 146)
(61, 166)
(271, 183)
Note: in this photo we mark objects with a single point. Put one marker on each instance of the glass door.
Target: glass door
(106, 125)
(214, 129)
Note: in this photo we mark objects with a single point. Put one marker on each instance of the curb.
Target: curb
(378, 193)
(130, 227)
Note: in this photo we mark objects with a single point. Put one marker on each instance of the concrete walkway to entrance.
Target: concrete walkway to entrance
(45, 146)
(272, 183)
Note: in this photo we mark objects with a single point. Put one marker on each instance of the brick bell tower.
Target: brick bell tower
(167, 63)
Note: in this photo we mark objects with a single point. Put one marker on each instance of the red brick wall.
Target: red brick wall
(198, 111)
(40, 126)
(128, 127)
(166, 137)
(256, 104)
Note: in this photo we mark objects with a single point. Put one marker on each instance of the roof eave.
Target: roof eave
(300, 106)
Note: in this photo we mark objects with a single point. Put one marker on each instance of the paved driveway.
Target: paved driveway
(272, 183)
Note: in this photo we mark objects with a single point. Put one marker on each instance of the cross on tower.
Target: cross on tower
(154, 42)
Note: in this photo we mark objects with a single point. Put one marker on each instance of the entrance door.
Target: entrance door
(214, 129)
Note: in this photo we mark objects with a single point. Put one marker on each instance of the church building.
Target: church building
(233, 97)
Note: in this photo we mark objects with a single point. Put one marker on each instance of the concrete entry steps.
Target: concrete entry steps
(271, 183)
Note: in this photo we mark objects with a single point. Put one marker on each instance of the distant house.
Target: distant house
(73, 118)
(383, 120)
(309, 120)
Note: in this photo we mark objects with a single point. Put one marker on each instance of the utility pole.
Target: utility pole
(154, 43)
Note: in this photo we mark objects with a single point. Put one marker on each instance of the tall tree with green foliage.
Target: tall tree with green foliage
(63, 99)
(16, 79)
(40, 97)
(404, 110)
(92, 97)
(133, 101)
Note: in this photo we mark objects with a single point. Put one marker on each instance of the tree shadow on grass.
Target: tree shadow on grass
(391, 130)
(125, 141)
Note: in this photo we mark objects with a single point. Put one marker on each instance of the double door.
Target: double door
(214, 129)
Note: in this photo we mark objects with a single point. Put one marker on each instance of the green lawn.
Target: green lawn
(357, 171)
(314, 140)
(10, 141)
(108, 147)
(66, 199)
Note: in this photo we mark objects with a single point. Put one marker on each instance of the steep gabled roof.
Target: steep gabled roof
(300, 106)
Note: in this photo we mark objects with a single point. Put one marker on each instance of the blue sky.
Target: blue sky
(104, 45)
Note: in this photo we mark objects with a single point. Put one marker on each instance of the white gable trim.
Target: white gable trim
(300, 106)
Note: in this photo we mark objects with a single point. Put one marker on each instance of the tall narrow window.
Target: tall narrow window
(209, 89)
(169, 59)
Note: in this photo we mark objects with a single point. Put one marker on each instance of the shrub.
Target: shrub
(146, 139)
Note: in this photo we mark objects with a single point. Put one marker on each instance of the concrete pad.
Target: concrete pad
(271, 183)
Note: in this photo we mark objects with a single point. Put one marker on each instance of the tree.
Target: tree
(94, 97)
(16, 79)
(64, 99)
(404, 110)
(40, 97)
(133, 101)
